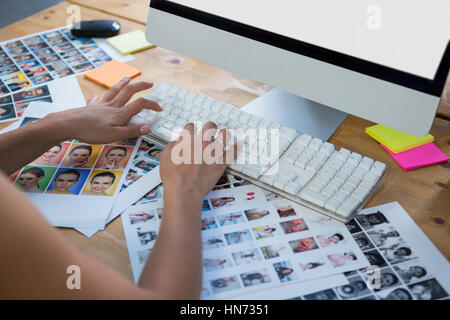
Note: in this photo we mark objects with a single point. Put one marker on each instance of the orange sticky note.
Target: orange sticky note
(112, 72)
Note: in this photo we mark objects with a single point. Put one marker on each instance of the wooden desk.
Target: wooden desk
(424, 193)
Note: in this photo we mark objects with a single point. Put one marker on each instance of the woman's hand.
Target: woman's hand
(192, 165)
(106, 120)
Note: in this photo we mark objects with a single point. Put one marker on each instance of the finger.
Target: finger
(134, 107)
(232, 153)
(132, 131)
(114, 90)
(208, 132)
(191, 128)
(222, 139)
(128, 91)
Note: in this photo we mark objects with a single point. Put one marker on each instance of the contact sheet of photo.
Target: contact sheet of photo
(43, 57)
(250, 244)
(410, 269)
(73, 169)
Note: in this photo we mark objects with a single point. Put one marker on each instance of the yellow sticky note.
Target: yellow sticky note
(395, 140)
(130, 42)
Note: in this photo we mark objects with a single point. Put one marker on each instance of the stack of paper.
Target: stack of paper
(409, 151)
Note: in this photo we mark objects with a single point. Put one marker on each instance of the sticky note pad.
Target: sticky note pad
(396, 141)
(112, 72)
(130, 42)
(423, 155)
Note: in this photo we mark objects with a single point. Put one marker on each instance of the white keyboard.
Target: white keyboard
(306, 170)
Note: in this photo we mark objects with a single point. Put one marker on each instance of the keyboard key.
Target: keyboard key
(348, 167)
(348, 206)
(316, 186)
(315, 144)
(343, 154)
(313, 166)
(291, 157)
(280, 183)
(347, 189)
(366, 163)
(301, 162)
(292, 187)
(314, 197)
(327, 149)
(305, 139)
(332, 204)
(328, 191)
(354, 159)
(378, 168)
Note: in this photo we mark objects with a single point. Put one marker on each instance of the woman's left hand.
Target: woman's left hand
(106, 120)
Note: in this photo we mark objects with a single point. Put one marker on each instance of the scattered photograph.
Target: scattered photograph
(255, 214)
(146, 236)
(395, 294)
(428, 290)
(341, 259)
(284, 209)
(224, 284)
(397, 253)
(327, 240)
(327, 294)
(375, 258)
(102, 183)
(356, 289)
(208, 223)
(411, 271)
(353, 226)
(362, 241)
(305, 244)
(238, 237)
(293, 226)
(7, 112)
(34, 179)
(68, 181)
(246, 256)
(370, 220)
(275, 251)
(285, 271)
(222, 202)
(211, 264)
(53, 156)
(255, 277)
(383, 237)
(140, 217)
(231, 218)
(265, 231)
(214, 241)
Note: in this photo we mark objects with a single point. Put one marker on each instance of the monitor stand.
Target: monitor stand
(297, 113)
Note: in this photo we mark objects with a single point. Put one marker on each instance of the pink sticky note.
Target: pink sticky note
(423, 155)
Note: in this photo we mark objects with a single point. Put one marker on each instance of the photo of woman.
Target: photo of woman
(115, 157)
(223, 201)
(63, 181)
(29, 179)
(339, 260)
(81, 156)
(50, 157)
(101, 183)
(7, 112)
(255, 214)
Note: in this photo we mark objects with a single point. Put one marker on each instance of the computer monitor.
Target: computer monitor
(387, 63)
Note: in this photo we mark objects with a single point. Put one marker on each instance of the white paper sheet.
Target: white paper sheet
(411, 267)
(65, 92)
(76, 208)
(248, 245)
(142, 177)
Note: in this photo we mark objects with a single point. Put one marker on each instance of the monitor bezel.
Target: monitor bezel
(433, 87)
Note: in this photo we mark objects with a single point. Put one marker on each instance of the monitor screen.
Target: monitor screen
(406, 35)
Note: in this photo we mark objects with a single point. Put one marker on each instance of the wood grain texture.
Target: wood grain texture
(424, 193)
(134, 10)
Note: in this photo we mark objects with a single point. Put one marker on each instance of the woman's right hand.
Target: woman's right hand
(193, 168)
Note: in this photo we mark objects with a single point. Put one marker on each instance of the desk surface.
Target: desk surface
(424, 193)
